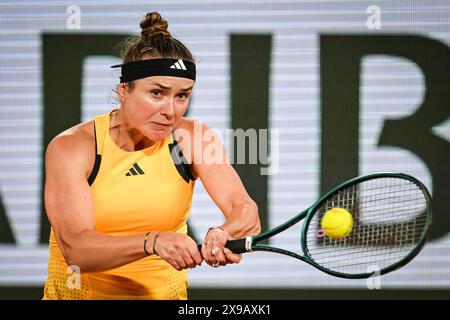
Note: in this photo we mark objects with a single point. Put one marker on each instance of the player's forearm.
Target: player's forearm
(92, 251)
(243, 220)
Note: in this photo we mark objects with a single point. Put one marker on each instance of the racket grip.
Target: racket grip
(236, 246)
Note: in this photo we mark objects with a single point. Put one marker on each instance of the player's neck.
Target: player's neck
(126, 137)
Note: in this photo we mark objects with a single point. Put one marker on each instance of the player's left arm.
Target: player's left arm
(224, 186)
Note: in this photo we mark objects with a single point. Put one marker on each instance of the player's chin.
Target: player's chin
(158, 134)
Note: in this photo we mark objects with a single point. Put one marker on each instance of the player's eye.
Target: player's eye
(156, 93)
(183, 96)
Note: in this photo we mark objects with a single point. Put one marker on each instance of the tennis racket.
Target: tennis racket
(391, 220)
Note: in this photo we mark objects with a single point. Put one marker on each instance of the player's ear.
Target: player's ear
(122, 90)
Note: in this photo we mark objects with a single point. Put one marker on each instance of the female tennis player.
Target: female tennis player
(118, 188)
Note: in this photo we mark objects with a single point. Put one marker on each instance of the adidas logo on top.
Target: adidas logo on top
(135, 170)
(178, 65)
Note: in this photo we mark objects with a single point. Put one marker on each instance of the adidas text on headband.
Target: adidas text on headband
(156, 67)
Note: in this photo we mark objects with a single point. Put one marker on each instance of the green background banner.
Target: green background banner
(343, 88)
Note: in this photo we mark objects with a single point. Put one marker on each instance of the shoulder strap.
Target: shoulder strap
(101, 124)
(100, 127)
(180, 162)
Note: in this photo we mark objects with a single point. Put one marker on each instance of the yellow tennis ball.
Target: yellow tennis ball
(337, 223)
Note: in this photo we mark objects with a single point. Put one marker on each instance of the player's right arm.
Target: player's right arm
(70, 209)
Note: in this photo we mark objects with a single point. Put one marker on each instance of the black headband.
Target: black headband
(156, 67)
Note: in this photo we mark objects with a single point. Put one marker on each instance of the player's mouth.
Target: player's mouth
(162, 125)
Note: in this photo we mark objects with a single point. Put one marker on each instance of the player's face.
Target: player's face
(156, 105)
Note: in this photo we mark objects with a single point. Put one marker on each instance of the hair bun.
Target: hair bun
(153, 24)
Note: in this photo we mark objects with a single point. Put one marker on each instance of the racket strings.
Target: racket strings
(349, 260)
(353, 247)
(389, 221)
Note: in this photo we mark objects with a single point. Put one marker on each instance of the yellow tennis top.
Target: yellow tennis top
(133, 192)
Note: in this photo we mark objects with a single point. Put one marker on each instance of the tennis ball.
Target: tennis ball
(337, 223)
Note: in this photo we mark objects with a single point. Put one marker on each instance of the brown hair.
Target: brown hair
(155, 42)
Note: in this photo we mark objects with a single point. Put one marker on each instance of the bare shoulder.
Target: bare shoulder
(193, 133)
(191, 127)
(199, 142)
(75, 145)
(186, 125)
(199, 134)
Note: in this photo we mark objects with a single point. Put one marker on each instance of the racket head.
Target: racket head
(391, 221)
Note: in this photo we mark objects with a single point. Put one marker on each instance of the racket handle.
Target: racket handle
(236, 246)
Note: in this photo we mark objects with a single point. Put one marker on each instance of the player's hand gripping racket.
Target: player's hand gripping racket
(389, 223)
